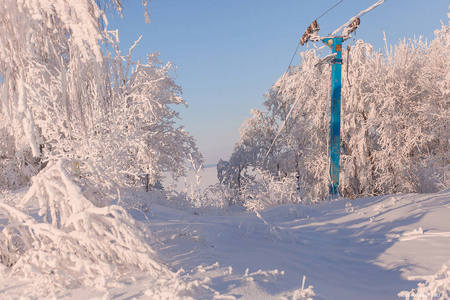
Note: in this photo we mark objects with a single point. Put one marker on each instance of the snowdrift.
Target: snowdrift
(382, 247)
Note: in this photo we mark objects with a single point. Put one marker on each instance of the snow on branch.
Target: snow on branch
(70, 240)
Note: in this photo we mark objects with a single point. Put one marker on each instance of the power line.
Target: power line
(298, 46)
(295, 102)
(362, 13)
(329, 10)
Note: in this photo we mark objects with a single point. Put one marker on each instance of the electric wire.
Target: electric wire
(362, 13)
(283, 81)
(298, 46)
(329, 10)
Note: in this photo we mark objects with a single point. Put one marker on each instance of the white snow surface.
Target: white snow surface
(371, 248)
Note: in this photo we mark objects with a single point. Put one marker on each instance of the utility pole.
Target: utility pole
(334, 41)
(335, 122)
(335, 59)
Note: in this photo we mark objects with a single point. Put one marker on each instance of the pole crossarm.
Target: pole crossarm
(357, 17)
(311, 33)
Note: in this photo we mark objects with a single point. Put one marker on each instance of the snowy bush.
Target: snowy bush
(268, 190)
(214, 197)
(70, 242)
(437, 287)
(219, 196)
(304, 293)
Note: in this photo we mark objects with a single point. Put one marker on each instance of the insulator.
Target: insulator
(311, 30)
(304, 38)
(355, 23)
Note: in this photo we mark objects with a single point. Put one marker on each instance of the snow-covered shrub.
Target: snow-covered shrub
(214, 197)
(444, 179)
(437, 287)
(141, 200)
(268, 190)
(423, 177)
(218, 196)
(70, 242)
(222, 195)
(304, 293)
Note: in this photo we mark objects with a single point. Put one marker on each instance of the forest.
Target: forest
(395, 125)
(87, 135)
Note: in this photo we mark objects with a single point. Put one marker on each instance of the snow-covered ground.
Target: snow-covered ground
(371, 248)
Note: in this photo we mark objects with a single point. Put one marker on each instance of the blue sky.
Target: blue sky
(229, 53)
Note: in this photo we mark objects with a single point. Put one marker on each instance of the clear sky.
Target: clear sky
(229, 53)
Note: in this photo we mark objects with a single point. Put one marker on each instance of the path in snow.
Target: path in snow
(371, 248)
(366, 248)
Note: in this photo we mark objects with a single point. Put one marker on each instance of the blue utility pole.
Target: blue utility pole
(335, 44)
(335, 41)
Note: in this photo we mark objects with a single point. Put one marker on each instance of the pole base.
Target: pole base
(334, 191)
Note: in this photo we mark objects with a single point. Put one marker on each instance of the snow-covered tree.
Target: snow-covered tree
(87, 120)
(395, 120)
(67, 94)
